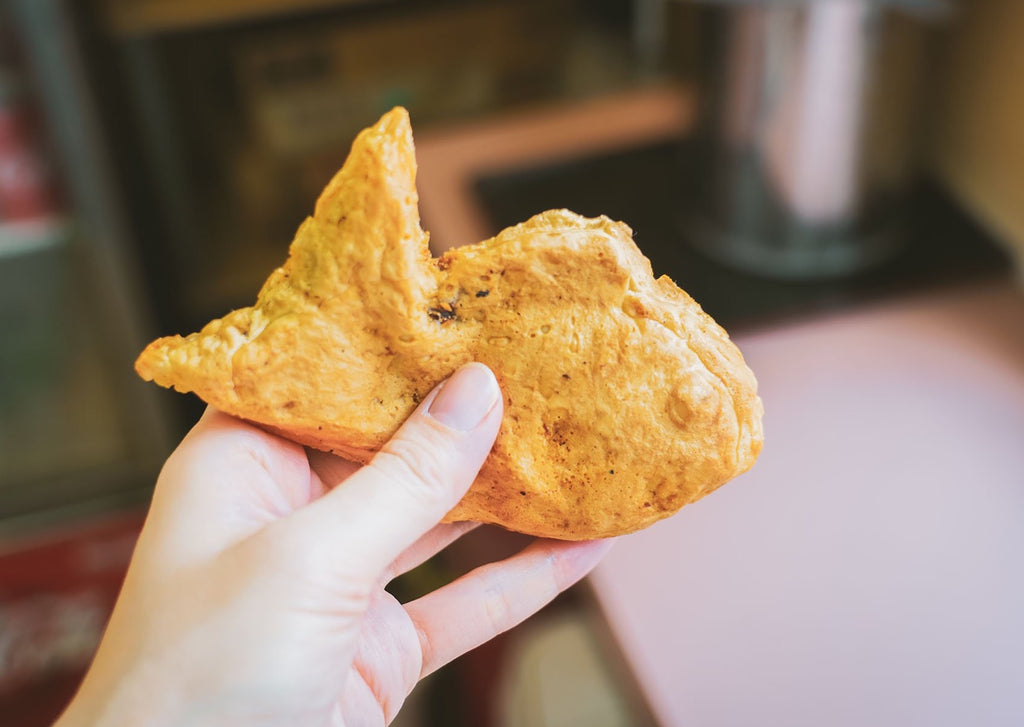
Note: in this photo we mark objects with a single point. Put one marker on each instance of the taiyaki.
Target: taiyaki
(624, 401)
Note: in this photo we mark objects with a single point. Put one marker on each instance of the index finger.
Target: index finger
(495, 597)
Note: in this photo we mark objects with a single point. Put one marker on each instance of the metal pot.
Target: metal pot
(812, 111)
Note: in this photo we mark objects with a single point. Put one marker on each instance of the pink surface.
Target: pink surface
(870, 569)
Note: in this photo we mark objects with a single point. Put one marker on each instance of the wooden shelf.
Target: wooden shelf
(450, 158)
(134, 18)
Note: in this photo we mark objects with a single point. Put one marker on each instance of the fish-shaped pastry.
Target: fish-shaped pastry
(624, 401)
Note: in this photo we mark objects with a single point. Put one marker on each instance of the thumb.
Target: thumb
(416, 478)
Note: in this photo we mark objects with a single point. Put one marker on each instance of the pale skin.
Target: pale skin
(256, 592)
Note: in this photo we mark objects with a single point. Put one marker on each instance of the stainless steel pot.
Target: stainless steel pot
(812, 113)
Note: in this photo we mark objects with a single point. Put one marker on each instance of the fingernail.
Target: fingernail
(465, 398)
(588, 555)
(579, 558)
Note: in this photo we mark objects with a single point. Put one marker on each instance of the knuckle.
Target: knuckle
(421, 467)
(497, 609)
(561, 573)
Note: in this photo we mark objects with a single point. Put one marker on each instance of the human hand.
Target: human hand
(256, 592)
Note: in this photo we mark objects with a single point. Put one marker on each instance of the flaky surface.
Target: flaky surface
(624, 401)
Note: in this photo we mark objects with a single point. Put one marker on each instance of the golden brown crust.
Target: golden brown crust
(624, 400)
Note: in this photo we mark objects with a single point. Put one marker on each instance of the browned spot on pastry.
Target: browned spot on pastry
(442, 312)
(678, 409)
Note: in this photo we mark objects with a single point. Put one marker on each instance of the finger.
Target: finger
(433, 542)
(225, 480)
(332, 469)
(219, 459)
(358, 705)
(388, 656)
(414, 480)
(495, 597)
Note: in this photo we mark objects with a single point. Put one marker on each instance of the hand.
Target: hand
(256, 592)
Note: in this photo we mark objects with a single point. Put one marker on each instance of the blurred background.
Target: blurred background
(789, 164)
